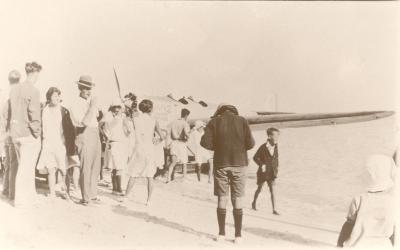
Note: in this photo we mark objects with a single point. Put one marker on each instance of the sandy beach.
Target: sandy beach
(321, 169)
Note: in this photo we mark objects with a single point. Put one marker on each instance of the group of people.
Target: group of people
(67, 144)
(74, 144)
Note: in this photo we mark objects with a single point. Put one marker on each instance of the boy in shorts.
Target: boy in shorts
(266, 158)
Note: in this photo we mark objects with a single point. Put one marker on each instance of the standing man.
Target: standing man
(25, 129)
(10, 161)
(229, 136)
(84, 113)
(178, 135)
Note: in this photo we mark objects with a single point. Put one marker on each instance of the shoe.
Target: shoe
(84, 203)
(220, 238)
(124, 198)
(275, 212)
(253, 206)
(238, 240)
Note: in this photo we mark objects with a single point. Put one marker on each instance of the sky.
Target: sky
(313, 56)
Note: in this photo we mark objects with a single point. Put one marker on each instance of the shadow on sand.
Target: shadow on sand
(260, 232)
(160, 221)
(285, 236)
(265, 233)
(251, 214)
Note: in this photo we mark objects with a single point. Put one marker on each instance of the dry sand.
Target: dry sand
(321, 170)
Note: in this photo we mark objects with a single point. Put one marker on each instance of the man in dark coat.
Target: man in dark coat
(229, 136)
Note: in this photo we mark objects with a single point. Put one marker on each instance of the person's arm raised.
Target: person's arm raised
(91, 112)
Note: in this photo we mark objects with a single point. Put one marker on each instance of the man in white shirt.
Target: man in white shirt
(84, 114)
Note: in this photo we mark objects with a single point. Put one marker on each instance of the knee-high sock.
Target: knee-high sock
(221, 215)
(114, 180)
(237, 218)
(118, 182)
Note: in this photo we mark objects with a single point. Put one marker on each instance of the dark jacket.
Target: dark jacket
(229, 136)
(264, 157)
(69, 132)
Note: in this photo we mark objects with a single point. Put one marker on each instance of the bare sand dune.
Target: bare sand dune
(321, 170)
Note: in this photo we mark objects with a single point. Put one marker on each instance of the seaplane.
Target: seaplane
(167, 108)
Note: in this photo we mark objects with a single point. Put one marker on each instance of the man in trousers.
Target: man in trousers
(84, 114)
(24, 119)
(10, 162)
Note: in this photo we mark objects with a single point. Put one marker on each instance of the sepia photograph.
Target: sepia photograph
(199, 124)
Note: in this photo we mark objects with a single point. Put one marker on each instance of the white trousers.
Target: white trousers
(27, 151)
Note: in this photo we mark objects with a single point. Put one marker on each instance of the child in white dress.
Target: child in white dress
(117, 131)
(143, 162)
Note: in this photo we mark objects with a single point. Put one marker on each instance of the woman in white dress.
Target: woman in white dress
(58, 140)
(143, 162)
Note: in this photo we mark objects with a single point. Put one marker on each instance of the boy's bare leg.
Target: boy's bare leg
(271, 185)
(258, 191)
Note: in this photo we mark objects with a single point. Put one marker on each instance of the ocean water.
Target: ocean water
(322, 168)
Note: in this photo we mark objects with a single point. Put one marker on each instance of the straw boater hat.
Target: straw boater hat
(381, 169)
(86, 81)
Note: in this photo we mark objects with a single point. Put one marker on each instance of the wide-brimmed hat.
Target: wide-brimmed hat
(199, 124)
(381, 169)
(86, 81)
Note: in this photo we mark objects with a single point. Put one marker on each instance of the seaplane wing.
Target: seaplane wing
(306, 120)
(167, 109)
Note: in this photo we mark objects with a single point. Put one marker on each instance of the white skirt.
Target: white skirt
(179, 149)
(52, 156)
(142, 164)
(117, 155)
